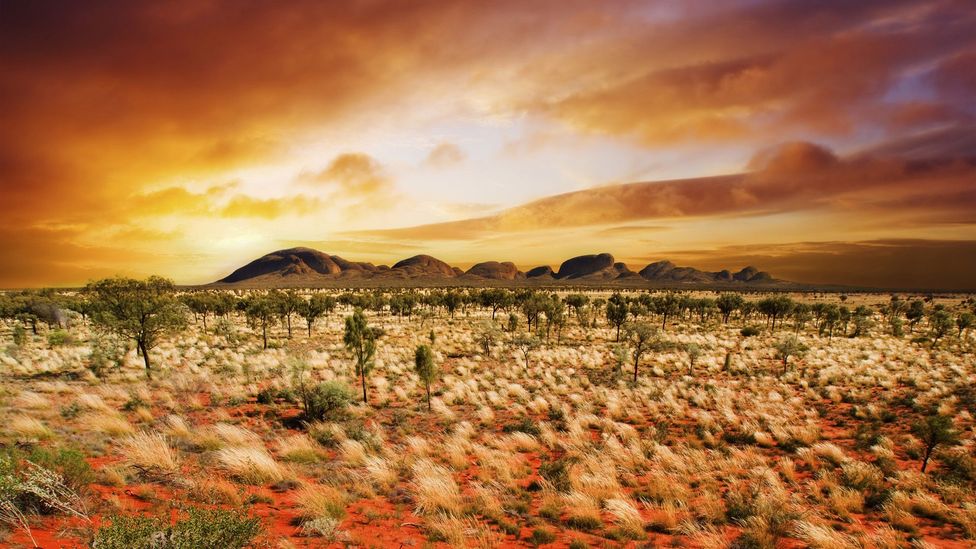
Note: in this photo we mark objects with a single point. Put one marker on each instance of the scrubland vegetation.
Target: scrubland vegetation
(135, 414)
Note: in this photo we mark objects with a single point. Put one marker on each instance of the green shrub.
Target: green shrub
(524, 425)
(200, 528)
(749, 331)
(59, 337)
(76, 473)
(326, 401)
(541, 536)
(20, 335)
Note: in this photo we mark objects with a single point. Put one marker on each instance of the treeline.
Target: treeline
(143, 311)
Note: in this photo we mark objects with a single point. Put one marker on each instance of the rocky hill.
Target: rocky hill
(308, 267)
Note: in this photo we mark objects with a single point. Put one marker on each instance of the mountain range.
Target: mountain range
(295, 267)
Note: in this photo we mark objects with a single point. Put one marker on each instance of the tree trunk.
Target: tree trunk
(618, 333)
(288, 322)
(362, 376)
(145, 358)
(636, 364)
(264, 334)
(925, 461)
(428, 397)
(205, 322)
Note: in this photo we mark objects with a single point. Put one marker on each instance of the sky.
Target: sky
(825, 142)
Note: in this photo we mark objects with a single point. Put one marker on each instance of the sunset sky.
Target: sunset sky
(823, 141)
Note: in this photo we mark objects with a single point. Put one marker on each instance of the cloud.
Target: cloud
(794, 177)
(354, 176)
(445, 155)
(270, 208)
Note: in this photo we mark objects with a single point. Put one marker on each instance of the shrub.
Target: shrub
(200, 528)
(524, 425)
(59, 337)
(67, 462)
(326, 401)
(749, 331)
(541, 536)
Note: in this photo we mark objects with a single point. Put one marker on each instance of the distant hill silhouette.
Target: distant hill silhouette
(297, 267)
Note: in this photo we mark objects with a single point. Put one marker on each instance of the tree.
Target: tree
(727, 304)
(940, 322)
(452, 300)
(360, 339)
(934, 430)
(316, 306)
(287, 304)
(487, 336)
(495, 299)
(141, 310)
(577, 303)
(512, 322)
(617, 309)
(261, 311)
(964, 322)
(787, 347)
(775, 308)
(200, 304)
(641, 336)
(668, 305)
(915, 313)
(694, 351)
(423, 360)
(525, 344)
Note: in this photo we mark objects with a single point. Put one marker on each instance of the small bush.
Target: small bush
(67, 462)
(749, 331)
(326, 401)
(541, 536)
(200, 528)
(59, 337)
(524, 425)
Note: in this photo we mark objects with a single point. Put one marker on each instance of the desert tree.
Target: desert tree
(423, 362)
(802, 313)
(964, 322)
(555, 312)
(143, 311)
(787, 347)
(694, 351)
(488, 335)
(286, 304)
(261, 312)
(496, 299)
(512, 322)
(775, 308)
(525, 344)
(316, 306)
(727, 304)
(533, 306)
(862, 321)
(577, 304)
(452, 301)
(617, 310)
(360, 339)
(201, 304)
(940, 322)
(934, 430)
(667, 306)
(641, 337)
(915, 313)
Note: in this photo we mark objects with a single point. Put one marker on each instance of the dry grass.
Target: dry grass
(150, 452)
(251, 465)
